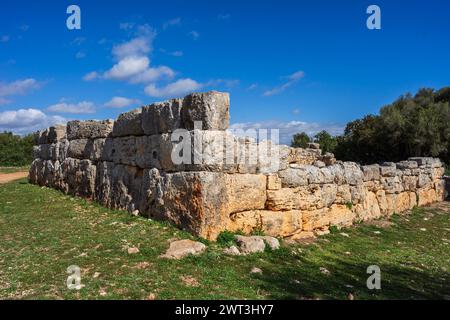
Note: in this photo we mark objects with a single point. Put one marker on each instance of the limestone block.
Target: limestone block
(340, 215)
(426, 196)
(245, 192)
(211, 108)
(409, 182)
(56, 133)
(371, 208)
(128, 124)
(352, 173)
(388, 169)
(392, 184)
(124, 150)
(371, 172)
(343, 194)
(78, 149)
(279, 224)
(407, 164)
(423, 180)
(315, 219)
(89, 129)
(273, 182)
(162, 117)
(294, 176)
(283, 199)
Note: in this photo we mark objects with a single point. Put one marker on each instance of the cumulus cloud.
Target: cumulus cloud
(74, 108)
(174, 89)
(127, 67)
(27, 120)
(291, 79)
(4, 38)
(135, 47)
(19, 87)
(80, 55)
(120, 102)
(288, 128)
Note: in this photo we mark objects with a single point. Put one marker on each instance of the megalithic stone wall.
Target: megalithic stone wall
(223, 182)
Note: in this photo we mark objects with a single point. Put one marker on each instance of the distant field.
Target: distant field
(43, 231)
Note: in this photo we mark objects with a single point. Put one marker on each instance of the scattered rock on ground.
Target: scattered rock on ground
(181, 248)
(233, 251)
(256, 270)
(133, 250)
(250, 244)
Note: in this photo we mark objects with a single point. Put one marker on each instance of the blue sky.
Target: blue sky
(294, 65)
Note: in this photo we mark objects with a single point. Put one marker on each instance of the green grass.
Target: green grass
(42, 232)
(447, 170)
(13, 169)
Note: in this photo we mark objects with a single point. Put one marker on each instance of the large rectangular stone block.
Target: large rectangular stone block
(89, 129)
(162, 117)
(128, 124)
(211, 108)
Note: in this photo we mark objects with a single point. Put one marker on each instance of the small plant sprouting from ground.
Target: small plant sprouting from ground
(226, 238)
(334, 229)
(349, 205)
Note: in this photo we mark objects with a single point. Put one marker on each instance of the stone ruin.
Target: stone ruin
(232, 184)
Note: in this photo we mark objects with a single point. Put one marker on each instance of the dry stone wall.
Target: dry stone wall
(223, 182)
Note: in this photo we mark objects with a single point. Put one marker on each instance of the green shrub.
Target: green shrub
(15, 151)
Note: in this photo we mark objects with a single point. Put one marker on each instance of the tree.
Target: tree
(327, 142)
(416, 125)
(300, 140)
(15, 150)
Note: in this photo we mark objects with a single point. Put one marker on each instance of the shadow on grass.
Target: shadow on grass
(306, 281)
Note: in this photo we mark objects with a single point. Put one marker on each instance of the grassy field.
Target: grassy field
(13, 169)
(42, 232)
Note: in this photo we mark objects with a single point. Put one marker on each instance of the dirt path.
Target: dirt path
(7, 177)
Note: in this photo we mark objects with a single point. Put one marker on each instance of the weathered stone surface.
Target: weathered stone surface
(371, 172)
(211, 108)
(232, 251)
(162, 117)
(56, 133)
(250, 244)
(182, 248)
(78, 149)
(89, 129)
(207, 181)
(272, 223)
(128, 124)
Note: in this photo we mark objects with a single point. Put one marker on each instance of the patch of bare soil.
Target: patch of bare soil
(8, 177)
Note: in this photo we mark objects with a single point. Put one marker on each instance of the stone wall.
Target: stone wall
(223, 182)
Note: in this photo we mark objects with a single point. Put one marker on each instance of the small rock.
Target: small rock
(96, 275)
(256, 270)
(351, 297)
(344, 234)
(151, 296)
(250, 244)
(322, 232)
(324, 270)
(181, 248)
(135, 213)
(233, 251)
(272, 242)
(133, 250)
(377, 232)
(423, 229)
(189, 281)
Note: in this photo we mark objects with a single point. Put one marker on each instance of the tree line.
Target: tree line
(15, 150)
(413, 125)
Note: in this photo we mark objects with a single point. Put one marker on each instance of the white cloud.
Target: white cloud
(27, 120)
(293, 78)
(127, 67)
(18, 87)
(194, 34)
(289, 128)
(174, 89)
(135, 47)
(253, 86)
(126, 25)
(120, 102)
(153, 74)
(75, 108)
(4, 38)
(172, 22)
(90, 76)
